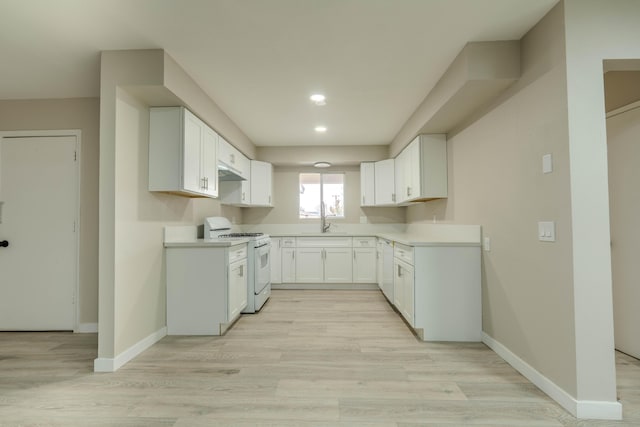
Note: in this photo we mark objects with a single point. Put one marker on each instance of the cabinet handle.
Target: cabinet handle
(408, 191)
(393, 197)
(232, 158)
(363, 200)
(243, 196)
(399, 271)
(269, 199)
(293, 255)
(241, 271)
(354, 255)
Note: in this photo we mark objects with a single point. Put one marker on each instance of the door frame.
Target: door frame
(77, 133)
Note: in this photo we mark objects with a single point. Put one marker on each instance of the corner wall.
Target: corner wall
(132, 271)
(495, 180)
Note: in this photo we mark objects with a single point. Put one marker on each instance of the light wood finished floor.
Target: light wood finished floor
(310, 358)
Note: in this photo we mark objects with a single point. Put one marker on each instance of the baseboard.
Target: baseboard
(87, 328)
(582, 409)
(104, 364)
(326, 286)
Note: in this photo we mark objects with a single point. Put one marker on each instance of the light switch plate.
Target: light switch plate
(547, 231)
(487, 244)
(547, 163)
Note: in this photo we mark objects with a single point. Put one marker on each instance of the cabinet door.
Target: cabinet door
(237, 288)
(398, 286)
(367, 184)
(309, 265)
(209, 169)
(364, 265)
(276, 260)
(412, 171)
(408, 293)
(261, 183)
(288, 265)
(399, 167)
(193, 135)
(385, 191)
(338, 267)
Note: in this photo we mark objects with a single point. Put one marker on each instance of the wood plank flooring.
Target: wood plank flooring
(310, 358)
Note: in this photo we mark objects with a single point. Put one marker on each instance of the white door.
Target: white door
(623, 135)
(38, 217)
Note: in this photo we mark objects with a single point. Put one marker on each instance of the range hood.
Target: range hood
(227, 173)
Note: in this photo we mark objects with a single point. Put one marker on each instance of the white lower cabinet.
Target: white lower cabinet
(309, 265)
(276, 259)
(437, 290)
(403, 283)
(364, 260)
(288, 261)
(206, 288)
(237, 288)
(330, 259)
(338, 267)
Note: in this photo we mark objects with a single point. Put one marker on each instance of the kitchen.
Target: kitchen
(131, 211)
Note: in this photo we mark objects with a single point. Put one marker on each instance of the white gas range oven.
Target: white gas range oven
(258, 259)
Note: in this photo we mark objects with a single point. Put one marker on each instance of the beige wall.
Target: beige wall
(496, 180)
(286, 190)
(83, 114)
(621, 88)
(131, 269)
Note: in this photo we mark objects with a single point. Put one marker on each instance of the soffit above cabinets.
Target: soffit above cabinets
(478, 75)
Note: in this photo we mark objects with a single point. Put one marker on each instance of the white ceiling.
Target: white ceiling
(260, 60)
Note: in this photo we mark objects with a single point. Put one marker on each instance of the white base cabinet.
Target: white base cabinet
(437, 290)
(364, 260)
(320, 260)
(206, 288)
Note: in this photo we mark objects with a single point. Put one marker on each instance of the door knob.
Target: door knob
(4, 244)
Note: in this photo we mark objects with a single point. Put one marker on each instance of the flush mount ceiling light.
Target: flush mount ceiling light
(321, 129)
(318, 99)
(321, 164)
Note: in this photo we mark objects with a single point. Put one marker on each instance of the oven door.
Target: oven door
(262, 273)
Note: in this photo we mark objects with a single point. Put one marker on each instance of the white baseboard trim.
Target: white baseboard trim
(326, 286)
(105, 364)
(87, 328)
(582, 409)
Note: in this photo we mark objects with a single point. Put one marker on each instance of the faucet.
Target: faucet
(324, 225)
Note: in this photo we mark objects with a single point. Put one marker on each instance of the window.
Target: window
(328, 187)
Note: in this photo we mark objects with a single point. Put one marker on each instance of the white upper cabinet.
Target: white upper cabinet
(421, 170)
(385, 190)
(261, 183)
(231, 159)
(367, 184)
(182, 153)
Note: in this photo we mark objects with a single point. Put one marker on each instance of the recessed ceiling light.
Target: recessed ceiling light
(321, 164)
(320, 129)
(318, 98)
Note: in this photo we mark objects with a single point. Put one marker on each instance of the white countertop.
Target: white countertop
(202, 243)
(412, 235)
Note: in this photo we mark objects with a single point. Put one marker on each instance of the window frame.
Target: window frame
(322, 184)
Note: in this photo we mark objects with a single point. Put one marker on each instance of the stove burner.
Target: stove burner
(241, 235)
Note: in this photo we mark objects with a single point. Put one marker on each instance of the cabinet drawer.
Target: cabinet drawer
(288, 242)
(403, 252)
(364, 242)
(324, 242)
(237, 252)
